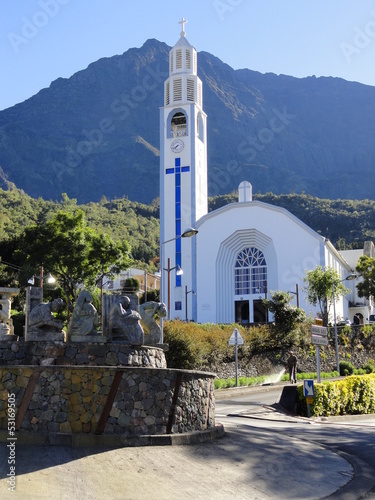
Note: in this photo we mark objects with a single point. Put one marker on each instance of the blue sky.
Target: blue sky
(41, 40)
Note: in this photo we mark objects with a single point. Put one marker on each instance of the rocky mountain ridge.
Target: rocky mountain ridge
(97, 133)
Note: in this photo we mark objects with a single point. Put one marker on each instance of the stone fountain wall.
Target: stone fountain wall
(65, 393)
(57, 403)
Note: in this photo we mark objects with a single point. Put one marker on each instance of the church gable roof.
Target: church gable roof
(258, 204)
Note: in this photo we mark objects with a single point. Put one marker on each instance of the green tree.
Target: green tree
(131, 285)
(71, 251)
(366, 269)
(286, 316)
(320, 284)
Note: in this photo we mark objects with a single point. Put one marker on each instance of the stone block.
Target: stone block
(150, 420)
(124, 420)
(86, 427)
(70, 351)
(76, 426)
(111, 359)
(65, 428)
(76, 379)
(107, 381)
(115, 412)
(14, 347)
(86, 417)
(60, 416)
(47, 415)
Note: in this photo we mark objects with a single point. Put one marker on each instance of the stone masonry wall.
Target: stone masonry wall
(61, 353)
(122, 401)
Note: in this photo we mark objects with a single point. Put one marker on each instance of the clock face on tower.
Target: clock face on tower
(177, 145)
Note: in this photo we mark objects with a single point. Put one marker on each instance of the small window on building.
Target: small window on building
(178, 306)
(171, 62)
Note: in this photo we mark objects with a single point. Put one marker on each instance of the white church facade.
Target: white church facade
(243, 251)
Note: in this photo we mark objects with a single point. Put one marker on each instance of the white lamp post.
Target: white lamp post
(188, 233)
(350, 277)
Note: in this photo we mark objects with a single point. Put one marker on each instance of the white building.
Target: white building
(147, 281)
(242, 251)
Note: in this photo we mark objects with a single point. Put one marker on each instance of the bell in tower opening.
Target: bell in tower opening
(178, 127)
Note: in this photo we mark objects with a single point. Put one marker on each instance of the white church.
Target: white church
(241, 252)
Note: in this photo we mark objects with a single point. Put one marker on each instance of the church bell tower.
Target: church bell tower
(183, 174)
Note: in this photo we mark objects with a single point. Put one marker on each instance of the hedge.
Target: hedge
(352, 396)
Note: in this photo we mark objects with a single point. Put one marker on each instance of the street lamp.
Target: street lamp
(188, 233)
(186, 297)
(350, 277)
(49, 277)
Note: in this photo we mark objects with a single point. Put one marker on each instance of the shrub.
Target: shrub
(346, 368)
(354, 395)
(369, 368)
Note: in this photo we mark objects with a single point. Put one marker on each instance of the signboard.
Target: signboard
(318, 340)
(308, 388)
(319, 335)
(319, 330)
(309, 400)
(235, 338)
(318, 321)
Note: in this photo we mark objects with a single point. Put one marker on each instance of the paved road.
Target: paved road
(264, 455)
(351, 438)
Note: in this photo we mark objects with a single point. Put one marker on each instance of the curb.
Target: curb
(113, 441)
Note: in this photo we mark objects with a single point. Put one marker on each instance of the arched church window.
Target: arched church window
(250, 272)
(178, 125)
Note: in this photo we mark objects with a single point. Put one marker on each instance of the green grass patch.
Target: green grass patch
(250, 381)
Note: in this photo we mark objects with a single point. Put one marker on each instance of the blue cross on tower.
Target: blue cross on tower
(177, 170)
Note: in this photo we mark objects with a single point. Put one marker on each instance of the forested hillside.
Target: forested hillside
(346, 223)
(121, 219)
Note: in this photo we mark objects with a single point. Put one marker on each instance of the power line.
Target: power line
(12, 266)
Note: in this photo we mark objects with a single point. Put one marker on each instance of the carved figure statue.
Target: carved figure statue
(84, 318)
(42, 319)
(124, 323)
(148, 311)
(6, 323)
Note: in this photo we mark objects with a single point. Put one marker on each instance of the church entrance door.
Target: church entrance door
(242, 312)
(260, 312)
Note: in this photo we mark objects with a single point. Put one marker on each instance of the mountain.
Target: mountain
(97, 133)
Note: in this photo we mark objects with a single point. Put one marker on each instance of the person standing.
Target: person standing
(292, 367)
